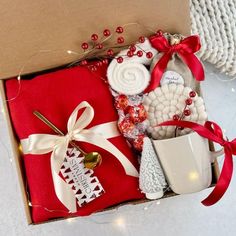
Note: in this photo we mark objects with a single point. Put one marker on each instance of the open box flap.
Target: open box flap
(30, 28)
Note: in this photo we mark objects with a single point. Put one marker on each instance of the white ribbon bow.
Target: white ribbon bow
(57, 144)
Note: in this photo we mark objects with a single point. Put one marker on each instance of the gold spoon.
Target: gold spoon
(91, 159)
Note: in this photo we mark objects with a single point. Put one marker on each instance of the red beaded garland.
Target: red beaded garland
(192, 94)
(149, 55)
(141, 39)
(110, 52)
(130, 53)
(119, 30)
(176, 117)
(139, 53)
(187, 112)
(120, 40)
(106, 32)
(84, 46)
(94, 37)
(188, 101)
(119, 59)
(132, 48)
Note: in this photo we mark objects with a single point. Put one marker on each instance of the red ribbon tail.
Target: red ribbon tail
(223, 182)
(158, 71)
(214, 134)
(194, 65)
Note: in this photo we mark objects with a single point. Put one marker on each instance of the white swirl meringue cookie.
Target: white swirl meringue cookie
(128, 78)
(131, 77)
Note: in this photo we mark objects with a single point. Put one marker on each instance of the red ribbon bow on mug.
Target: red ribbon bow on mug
(185, 49)
(214, 133)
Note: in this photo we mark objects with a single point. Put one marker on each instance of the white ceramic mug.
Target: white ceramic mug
(186, 161)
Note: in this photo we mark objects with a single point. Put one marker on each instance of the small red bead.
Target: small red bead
(130, 53)
(84, 62)
(159, 32)
(139, 53)
(119, 30)
(192, 94)
(85, 46)
(176, 117)
(119, 59)
(110, 52)
(149, 55)
(188, 101)
(132, 48)
(120, 40)
(94, 37)
(187, 112)
(93, 68)
(106, 32)
(104, 61)
(99, 46)
(141, 39)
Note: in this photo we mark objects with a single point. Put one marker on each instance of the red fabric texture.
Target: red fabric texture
(56, 95)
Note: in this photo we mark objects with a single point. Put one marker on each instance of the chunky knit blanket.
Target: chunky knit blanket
(215, 22)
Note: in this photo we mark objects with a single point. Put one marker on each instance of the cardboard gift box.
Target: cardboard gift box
(35, 36)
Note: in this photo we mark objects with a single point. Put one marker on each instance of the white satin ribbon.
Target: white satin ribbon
(97, 135)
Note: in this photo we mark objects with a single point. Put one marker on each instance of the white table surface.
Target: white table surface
(181, 215)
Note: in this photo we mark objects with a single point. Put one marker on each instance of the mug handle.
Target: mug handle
(215, 154)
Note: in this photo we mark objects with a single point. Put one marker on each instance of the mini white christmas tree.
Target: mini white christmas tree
(151, 179)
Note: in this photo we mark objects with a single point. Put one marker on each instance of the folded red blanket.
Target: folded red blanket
(56, 95)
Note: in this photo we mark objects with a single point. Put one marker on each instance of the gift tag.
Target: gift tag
(171, 77)
(85, 185)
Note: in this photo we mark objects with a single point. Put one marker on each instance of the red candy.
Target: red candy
(126, 125)
(137, 113)
(138, 142)
(121, 102)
